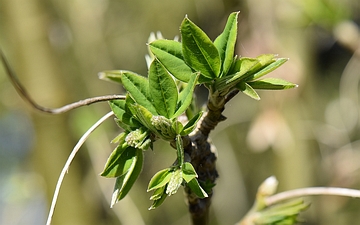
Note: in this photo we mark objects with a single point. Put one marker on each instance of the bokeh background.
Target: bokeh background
(308, 136)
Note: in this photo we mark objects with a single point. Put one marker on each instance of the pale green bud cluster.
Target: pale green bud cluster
(175, 182)
(138, 138)
(163, 126)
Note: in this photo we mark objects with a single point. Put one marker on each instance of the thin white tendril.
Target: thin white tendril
(69, 160)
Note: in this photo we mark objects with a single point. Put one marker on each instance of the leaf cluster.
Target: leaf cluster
(154, 103)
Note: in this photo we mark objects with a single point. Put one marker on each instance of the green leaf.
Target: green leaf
(126, 120)
(143, 115)
(271, 84)
(125, 182)
(241, 67)
(160, 179)
(177, 126)
(248, 90)
(119, 162)
(188, 172)
(159, 197)
(199, 51)
(225, 42)
(197, 189)
(191, 125)
(163, 90)
(138, 87)
(269, 68)
(169, 53)
(186, 95)
(111, 75)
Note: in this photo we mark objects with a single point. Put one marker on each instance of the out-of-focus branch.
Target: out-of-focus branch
(271, 200)
(24, 94)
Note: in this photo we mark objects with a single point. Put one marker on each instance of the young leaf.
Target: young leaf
(111, 75)
(125, 120)
(163, 90)
(125, 182)
(169, 53)
(120, 162)
(269, 68)
(199, 51)
(242, 66)
(160, 179)
(188, 172)
(159, 197)
(143, 115)
(225, 42)
(248, 90)
(197, 189)
(138, 87)
(186, 95)
(271, 84)
(190, 126)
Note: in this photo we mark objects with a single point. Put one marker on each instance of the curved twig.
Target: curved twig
(68, 162)
(23, 93)
(302, 192)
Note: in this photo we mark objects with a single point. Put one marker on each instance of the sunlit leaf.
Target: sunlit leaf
(188, 172)
(248, 90)
(271, 84)
(163, 90)
(225, 42)
(119, 162)
(197, 189)
(138, 87)
(160, 179)
(125, 120)
(111, 75)
(169, 53)
(241, 68)
(186, 95)
(191, 125)
(198, 50)
(159, 197)
(269, 68)
(125, 182)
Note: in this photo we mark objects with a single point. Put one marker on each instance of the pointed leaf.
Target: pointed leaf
(160, 179)
(169, 53)
(159, 197)
(186, 95)
(143, 115)
(225, 42)
(126, 120)
(119, 162)
(269, 68)
(191, 125)
(138, 87)
(197, 189)
(242, 67)
(188, 172)
(198, 50)
(125, 182)
(248, 90)
(163, 90)
(271, 84)
(111, 75)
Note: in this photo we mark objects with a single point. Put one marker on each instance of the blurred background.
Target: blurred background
(308, 136)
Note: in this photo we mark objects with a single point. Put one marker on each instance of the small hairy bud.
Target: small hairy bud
(175, 182)
(163, 125)
(138, 138)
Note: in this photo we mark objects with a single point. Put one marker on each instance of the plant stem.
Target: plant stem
(203, 158)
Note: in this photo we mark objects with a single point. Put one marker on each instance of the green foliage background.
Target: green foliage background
(307, 136)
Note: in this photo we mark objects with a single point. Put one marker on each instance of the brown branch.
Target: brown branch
(24, 94)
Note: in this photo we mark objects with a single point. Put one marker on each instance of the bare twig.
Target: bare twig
(69, 160)
(23, 93)
(311, 191)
